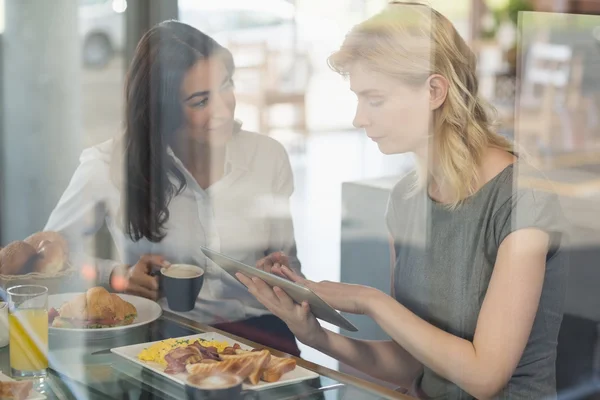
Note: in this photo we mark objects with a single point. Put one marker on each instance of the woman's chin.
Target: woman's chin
(219, 139)
(213, 138)
(388, 149)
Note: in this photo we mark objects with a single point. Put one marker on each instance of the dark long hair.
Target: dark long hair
(154, 117)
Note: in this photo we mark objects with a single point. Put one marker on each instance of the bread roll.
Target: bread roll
(53, 251)
(37, 238)
(51, 258)
(18, 258)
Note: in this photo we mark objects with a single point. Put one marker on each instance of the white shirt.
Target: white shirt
(245, 215)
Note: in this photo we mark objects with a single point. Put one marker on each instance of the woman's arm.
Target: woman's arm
(281, 236)
(484, 366)
(384, 360)
(80, 213)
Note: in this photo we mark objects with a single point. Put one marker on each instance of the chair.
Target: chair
(265, 78)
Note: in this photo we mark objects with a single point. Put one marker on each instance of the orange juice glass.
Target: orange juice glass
(28, 330)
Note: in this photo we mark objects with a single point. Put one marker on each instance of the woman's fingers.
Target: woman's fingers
(277, 270)
(246, 281)
(265, 290)
(141, 278)
(154, 259)
(275, 299)
(285, 300)
(265, 264)
(137, 290)
(258, 288)
(304, 309)
(292, 276)
(281, 258)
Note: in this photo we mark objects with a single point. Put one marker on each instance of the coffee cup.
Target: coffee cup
(181, 284)
(216, 387)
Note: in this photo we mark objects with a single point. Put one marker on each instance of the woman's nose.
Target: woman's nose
(360, 119)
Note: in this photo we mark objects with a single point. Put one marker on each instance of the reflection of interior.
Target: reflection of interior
(266, 77)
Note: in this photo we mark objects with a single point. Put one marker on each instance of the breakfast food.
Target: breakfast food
(277, 367)
(97, 308)
(17, 258)
(44, 252)
(178, 359)
(53, 250)
(247, 366)
(156, 352)
(14, 390)
(201, 358)
(273, 370)
(37, 239)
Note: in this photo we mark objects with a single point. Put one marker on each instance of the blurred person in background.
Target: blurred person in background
(479, 274)
(185, 174)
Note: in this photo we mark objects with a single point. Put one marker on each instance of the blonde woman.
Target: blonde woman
(479, 275)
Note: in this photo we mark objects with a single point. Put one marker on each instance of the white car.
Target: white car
(101, 29)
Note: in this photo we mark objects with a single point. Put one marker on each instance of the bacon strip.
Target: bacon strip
(193, 353)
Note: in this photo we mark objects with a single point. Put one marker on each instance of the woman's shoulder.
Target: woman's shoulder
(521, 183)
(405, 187)
(524, 197)
(103, 162)
(103, 152)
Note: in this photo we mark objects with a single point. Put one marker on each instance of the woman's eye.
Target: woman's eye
(376, 102)
(200, 104)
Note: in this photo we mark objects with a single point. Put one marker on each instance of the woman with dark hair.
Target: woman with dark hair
(193, 178)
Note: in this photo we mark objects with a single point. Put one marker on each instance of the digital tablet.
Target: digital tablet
(299, 293)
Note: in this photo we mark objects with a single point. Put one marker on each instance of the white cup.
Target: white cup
(3, 324)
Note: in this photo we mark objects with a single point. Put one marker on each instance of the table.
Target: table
(83, 368)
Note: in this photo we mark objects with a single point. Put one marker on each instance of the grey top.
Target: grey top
(445, 259)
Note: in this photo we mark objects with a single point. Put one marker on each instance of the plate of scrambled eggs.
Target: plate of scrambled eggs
(152, 356)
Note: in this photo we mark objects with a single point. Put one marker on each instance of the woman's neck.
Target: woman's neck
(430, 171)
(493, 162)
(206, 163)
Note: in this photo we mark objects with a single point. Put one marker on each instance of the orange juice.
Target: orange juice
(28, 340)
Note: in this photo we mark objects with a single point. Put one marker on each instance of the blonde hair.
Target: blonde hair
(410, 42)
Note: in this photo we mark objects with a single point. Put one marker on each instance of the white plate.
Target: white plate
(33, 395)
(299, 374)
(147, 311)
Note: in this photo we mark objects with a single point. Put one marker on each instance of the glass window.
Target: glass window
(92, 2)
(255, 19)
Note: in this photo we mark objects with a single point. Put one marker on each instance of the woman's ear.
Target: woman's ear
(438, 91)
